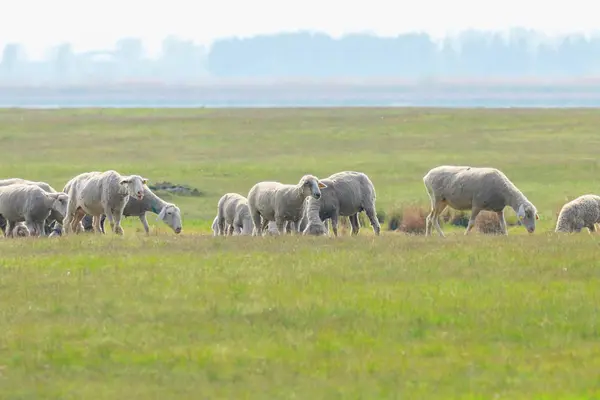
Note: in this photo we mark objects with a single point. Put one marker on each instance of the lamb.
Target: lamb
(347, 194)
(233, 213)
(476, 189)
(45, 186)
(31, 204)
(275, 201)
(96, 193)
(582, 212)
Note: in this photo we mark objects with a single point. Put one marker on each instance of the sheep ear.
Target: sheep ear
(162, 213)
(521, 212)
(537, 216)
(125, 181)
(144, 181)
(322, 185)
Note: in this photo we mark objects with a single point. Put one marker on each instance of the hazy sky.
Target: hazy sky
(40, 24)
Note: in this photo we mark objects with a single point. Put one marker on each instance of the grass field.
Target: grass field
(396, 316)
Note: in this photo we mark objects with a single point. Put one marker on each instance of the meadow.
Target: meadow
(396, 316)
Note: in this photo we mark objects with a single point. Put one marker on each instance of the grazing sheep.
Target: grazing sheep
(233, 214)
(347, 194)
(476, 189)
(96, 193)
(579, 213)
(31, 204)
(275, 201)
(169, 213)
(45, 186)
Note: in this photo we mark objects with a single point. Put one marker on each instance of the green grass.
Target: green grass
(192, 316)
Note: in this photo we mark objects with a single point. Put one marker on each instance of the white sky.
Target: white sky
(94, 24)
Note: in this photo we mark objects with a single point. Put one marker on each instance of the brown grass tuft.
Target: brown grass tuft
(409, 219)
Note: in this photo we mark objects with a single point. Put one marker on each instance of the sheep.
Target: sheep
(45, 186)
(275, 201)
(169, 213)
(31, 204)
(96, 193)
(579, 213)
(476, 189)
(233, 213)
(347, 194)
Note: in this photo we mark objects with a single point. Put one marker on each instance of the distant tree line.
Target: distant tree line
(471, 54)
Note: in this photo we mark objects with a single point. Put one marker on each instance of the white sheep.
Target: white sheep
(476, 189)
(347, 194)
(31, 204)
(96, 193)
(169, 213)
(233, 215)
(45, 186)
(579, 213)
(275, 201)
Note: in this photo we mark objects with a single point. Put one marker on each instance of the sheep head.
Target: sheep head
(528, 216)
(59, 205)
(134, 185)
(171, 215)
(310, 185)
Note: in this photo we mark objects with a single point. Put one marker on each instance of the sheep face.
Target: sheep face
(134, 185)
(59, 206)
(528, 216)
(171, 215)
(311, 186)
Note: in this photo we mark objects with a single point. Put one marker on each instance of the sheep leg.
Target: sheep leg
(263, 226)
(35, 231)
(221, 226)
(145, 223)
(334, 224)
(326, 223)
(10, 226)
(257, 223)
(117, 225)
(96, 224)
(502, 222)
(42, 228)
(230, 230)
(370, 211)
(280, 222)
(592, 228)
(433, 219)
(354, 224)
(474, 213)
(111, 221)
(76, 225)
